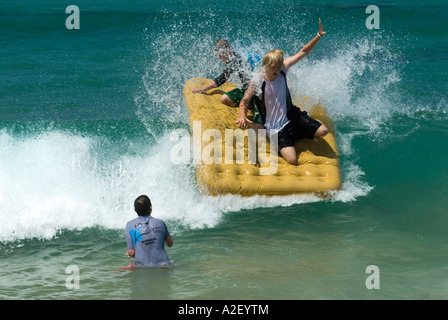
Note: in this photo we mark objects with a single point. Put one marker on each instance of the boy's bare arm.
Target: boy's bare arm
(244, 106)
(289, 62)
(169, 241)
(211, 85)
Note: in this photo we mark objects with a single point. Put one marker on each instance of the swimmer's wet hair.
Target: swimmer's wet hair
(142, 205)
(221, 44)
(273, 58)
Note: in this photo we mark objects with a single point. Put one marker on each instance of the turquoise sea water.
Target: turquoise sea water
(85, 123)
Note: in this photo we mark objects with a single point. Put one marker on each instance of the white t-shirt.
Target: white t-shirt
(275, 102)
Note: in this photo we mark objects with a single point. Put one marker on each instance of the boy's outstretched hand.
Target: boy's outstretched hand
(321, 29)
(242, 122)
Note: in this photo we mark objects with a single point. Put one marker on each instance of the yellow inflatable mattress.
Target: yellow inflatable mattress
(226, 165)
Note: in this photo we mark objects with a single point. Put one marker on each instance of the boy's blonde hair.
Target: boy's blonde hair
(273, 58)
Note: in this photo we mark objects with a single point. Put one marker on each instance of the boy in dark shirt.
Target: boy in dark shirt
(234, 63)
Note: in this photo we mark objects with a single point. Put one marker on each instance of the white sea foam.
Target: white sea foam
(55, 180)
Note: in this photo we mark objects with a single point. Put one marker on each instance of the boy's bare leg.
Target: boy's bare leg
(322, 131)
(227, 101)
(289, 154)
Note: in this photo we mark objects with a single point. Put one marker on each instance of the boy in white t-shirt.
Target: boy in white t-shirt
(274, 108)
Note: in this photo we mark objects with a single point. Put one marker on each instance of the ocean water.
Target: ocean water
(85, 123)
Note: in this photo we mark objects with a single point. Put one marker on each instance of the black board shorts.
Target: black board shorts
(302, 126)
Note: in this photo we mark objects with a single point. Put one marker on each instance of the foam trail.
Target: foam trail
(57, 181)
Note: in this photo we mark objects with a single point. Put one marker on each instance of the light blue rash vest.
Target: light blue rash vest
(146, 235)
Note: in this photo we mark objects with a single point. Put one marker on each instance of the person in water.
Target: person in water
(234, 63)
(274, 110)
(146, 236)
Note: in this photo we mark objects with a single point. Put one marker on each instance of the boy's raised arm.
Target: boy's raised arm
(289, 62)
